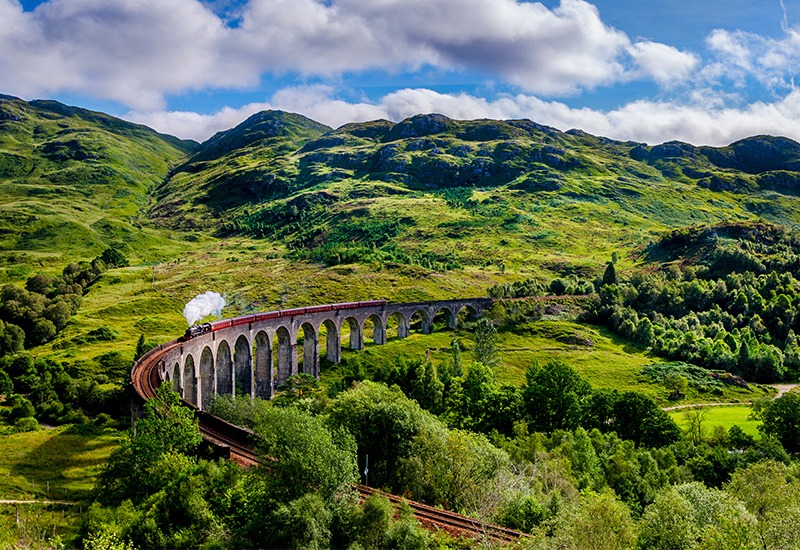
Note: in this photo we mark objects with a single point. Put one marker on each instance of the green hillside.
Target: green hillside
(250, 163)
(661, 262)
(283, 211)
(73, 182)
(448, 195)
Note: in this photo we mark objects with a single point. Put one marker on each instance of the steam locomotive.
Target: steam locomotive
(205, 328)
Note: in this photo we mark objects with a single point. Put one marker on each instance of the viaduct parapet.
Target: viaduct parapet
(254, 354)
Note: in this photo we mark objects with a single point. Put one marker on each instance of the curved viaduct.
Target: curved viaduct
(253, 357)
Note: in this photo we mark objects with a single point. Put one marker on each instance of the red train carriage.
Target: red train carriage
(245, 320)
(319, 309)
(193, 332)
(268, 315)
(293, 312)
(219, 325)
(372, 303)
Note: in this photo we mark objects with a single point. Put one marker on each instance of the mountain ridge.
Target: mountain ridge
(74, 181)
(399, 192)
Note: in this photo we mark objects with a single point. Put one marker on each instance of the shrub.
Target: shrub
(101, 334)
(22, 408)
(27, 424)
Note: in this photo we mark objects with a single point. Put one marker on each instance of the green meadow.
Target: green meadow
(725, 416)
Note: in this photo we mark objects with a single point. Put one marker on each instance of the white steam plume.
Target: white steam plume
(208, 303)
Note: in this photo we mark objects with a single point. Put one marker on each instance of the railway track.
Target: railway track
(236, 444)
(451, 522)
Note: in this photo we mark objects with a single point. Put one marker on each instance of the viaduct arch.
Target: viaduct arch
(255, 354)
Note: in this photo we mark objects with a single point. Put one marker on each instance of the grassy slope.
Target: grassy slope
(540, 199)
(72, 182)
(722, 416)
(52, 464)
(550, 203)
(70, 463)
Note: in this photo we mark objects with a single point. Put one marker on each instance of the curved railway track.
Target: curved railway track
(235, 443)
(451, 522)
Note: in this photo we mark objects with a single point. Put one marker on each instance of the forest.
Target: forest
(546, 415)
(569, 465)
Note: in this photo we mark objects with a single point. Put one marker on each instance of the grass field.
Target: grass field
(55, 464)
(726, 416)
(605, 360)
(51, 464)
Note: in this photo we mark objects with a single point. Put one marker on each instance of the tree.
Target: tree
(58, 313)
(638, 418)
(455, 352)
(140, 347)
(298, 388)
(475, 393)
(781, 419)
(486, 343)
(721, 520)
(383, 422)
(303, 523)
(600, 522)
(12, 338)
(677, 383)
(554, 395)
(43, 331)
(407, 534)
(645, 333)
(377, 513)
(447, 467)
(667, 523)
(610, 274)
(6, 386)
(769, 493)
(113, 258)
(598, 409)
(40, 284)
(791, 353)
(421, 382)
(303, 455)
(695, 416)
(167, 427)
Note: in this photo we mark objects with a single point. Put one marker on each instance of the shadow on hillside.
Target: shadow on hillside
(66, 465)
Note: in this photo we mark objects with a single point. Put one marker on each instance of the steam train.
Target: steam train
(205, 328)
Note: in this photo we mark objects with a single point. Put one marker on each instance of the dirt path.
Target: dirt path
(64, 502)
(692, 405)
(782, 388)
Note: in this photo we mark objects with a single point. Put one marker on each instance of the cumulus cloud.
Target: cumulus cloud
(739, 56)
(706, 122)
(137, 52)
(131, 51)
(665, 64)
(140, 52)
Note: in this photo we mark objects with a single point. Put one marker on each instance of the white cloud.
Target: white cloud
(741, 55)
(131, 51)
(545, 51)
(708, 122)
(665, 64)
(137, 52)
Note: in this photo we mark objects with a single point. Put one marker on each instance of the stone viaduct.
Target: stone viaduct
(253, 357)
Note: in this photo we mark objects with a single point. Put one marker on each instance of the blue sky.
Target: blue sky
(705, 72)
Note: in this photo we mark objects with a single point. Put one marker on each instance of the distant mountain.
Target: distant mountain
(252, 162)
(73, 180)
(428, 191)
(399, 189)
